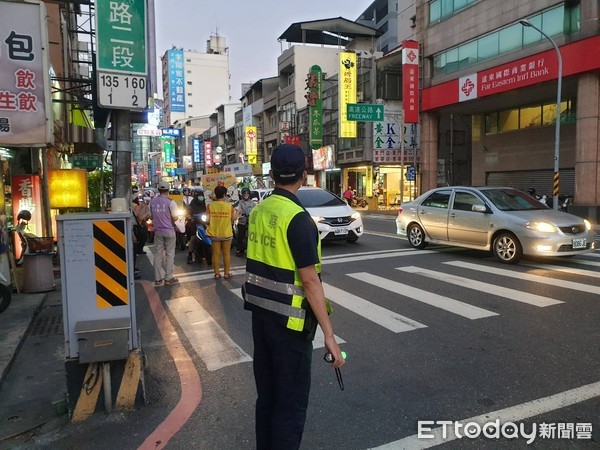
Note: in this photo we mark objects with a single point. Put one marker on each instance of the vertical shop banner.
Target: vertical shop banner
(176, 78)
(25, 103)
(251, 144)
(410, 81)
(196, 150)
(208, 154)
(314, 100)
(347, 94)
(26, 194)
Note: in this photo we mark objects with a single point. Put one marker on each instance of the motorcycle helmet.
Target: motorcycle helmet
(245, 191)
(24, 215)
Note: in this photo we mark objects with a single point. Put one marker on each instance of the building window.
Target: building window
(554, 21)
(190, 106)
(189, 83)
(442, 9)
(531, 116)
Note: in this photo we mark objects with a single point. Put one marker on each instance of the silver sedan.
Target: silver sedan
(504, 220)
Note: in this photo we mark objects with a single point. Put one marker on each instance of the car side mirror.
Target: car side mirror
(479, 208)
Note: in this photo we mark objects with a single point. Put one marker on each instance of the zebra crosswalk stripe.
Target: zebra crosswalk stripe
(429, 298)
(592, 289)
(370, 311)
(318, 341)
(572, 270)
(212, 344)
(499, 291)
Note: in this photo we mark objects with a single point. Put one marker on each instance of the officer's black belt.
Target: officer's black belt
(279, 308)
(282, 288)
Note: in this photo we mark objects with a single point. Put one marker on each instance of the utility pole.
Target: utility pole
(121, 155)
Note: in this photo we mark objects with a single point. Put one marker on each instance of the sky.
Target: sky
(250, 27)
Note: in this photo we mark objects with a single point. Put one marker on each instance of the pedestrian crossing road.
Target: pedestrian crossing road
(407, 284)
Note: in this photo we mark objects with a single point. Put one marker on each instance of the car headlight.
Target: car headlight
(588, 225)
(180, 212)
(542, 227)
(355, 216)
(317, 219)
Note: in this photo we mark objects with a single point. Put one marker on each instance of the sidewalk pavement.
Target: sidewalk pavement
(32, 356)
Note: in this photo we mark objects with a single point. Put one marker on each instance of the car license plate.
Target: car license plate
(340, 231)
(579, 243)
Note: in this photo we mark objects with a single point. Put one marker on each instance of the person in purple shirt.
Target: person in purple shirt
(164, 213)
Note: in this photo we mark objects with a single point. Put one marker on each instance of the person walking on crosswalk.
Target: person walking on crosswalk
(284, 292)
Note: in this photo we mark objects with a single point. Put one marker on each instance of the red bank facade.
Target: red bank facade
(489, 96)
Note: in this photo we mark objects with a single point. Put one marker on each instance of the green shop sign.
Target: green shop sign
(314, 98)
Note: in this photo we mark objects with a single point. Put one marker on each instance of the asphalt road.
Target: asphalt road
(434, 335)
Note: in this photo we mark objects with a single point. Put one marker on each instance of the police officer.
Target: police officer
(284, 292)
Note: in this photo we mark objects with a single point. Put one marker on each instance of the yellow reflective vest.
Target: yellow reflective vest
(272, 280)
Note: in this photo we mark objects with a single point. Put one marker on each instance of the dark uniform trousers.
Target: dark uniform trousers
(282, 360)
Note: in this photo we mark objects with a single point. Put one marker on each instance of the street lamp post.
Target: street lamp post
(555, 188)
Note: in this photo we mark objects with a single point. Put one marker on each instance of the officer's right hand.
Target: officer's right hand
(333, 348)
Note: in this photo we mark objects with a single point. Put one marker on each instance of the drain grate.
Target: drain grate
(46, 325)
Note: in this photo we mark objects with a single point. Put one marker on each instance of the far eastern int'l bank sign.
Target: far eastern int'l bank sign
(578, 57)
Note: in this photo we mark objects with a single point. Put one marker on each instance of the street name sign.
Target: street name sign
(363, 112)
(121, 62)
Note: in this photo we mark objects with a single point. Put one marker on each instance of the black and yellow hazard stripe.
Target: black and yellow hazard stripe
(556, 184)
(111, 263)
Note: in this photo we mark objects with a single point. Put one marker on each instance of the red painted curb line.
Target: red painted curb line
(191, 387)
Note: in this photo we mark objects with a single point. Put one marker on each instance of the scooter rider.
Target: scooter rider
(244, 208)
(197, 209)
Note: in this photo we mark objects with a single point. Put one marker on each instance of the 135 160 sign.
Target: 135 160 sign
(121, 91)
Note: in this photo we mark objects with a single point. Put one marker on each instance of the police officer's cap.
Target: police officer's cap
(288, 160)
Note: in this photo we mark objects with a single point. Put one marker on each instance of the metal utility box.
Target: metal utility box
(103, 340)
(98, 297)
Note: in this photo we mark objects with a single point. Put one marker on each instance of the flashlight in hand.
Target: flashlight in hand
(328, 357)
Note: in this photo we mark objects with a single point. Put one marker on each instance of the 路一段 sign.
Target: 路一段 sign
(25, 104)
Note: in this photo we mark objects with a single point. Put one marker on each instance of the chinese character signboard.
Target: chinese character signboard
(197, 151)
(364, 112)
(387, 139)
(26, 194)
(347, 85)
(293, 140)
(410, 81)
(25, 104)
(208, 154)
(67, 188)
(314, 100)
(121, 34)
(121, 62)
(176, 82)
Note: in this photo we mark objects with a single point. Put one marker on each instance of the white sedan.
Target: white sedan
(334, 218)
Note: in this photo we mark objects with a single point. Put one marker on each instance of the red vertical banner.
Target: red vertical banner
(26, 195)
(410, 81)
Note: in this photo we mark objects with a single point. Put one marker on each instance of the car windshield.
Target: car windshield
(313, 198)
(512, 200)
